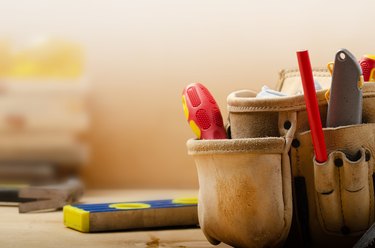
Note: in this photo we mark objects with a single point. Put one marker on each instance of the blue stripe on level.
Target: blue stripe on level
(104, 207)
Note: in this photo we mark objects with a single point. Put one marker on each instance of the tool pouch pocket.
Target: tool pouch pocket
(340, 191)
(245, 191)
(343, 192)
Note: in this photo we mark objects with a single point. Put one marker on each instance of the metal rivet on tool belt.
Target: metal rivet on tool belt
(345, 230)
(295, 143)
(287, 125)
(338, 162)
(367, 156)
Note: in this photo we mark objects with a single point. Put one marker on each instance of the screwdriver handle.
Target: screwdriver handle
(202, 112)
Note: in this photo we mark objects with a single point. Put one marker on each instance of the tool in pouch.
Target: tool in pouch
(202, 112)
(312, 106)
(345, 96)
(367, 240)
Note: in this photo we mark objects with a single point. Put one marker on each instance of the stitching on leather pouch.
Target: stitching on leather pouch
(315, 74)
(272, 108)
(242, 108)
(234, 150)
(319, 69)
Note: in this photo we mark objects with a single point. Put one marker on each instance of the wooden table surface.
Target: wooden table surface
(48, 230)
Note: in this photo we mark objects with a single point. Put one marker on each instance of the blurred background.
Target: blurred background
(94, 87)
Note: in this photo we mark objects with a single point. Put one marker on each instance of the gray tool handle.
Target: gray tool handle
(368, 239)
(345, 101)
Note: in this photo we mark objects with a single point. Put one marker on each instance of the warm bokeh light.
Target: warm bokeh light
(138, 57)
(41, 58)
(43, 111)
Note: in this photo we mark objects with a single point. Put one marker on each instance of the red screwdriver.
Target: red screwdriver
(202, 112)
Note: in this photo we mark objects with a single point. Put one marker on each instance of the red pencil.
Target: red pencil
(312, 106)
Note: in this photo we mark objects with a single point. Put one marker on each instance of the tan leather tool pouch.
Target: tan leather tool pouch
(263, 184)
(334, 200)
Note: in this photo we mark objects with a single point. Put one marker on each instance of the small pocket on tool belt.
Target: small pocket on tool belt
(251, 117)
(244, 190)
(340, 191)
(343, 194)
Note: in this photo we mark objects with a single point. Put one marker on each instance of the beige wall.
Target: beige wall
(141, 54)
